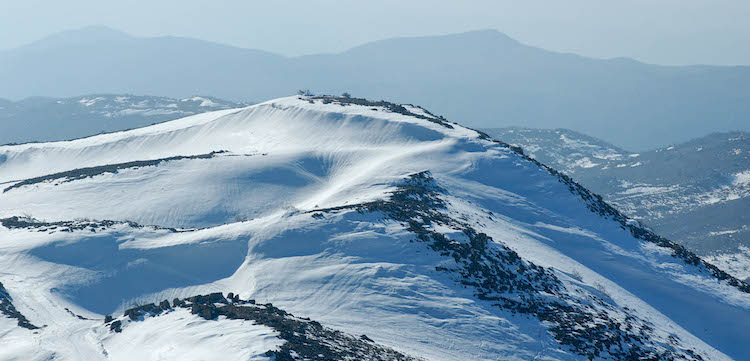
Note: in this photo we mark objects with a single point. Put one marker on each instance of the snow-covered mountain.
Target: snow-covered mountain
(48, 119)
(697, 193)
(344, 229)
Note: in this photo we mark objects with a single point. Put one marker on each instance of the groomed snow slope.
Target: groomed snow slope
(271, 214)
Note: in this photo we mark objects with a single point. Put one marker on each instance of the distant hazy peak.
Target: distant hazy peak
(482, 34)
(485, 36)
(87, 34)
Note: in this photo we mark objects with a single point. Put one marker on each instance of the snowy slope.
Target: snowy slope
(697, 193)
(368, 217)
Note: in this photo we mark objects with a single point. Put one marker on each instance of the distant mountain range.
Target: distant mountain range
(48, 119)
(482, 78)
(697, 193)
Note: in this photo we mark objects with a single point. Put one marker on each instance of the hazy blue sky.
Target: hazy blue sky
(656, 31)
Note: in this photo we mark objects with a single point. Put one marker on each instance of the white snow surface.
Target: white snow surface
(249, 232)
(180, 335)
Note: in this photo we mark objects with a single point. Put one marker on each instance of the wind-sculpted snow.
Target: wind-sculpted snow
(83, 173)
(371, 218)
(585, 322)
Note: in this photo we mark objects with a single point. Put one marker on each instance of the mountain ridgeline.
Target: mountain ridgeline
(482, 78)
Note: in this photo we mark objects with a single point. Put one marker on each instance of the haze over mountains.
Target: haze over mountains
(482, 78)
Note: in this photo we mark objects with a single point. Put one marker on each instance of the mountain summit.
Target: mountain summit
(337, 228)
(86, 35)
